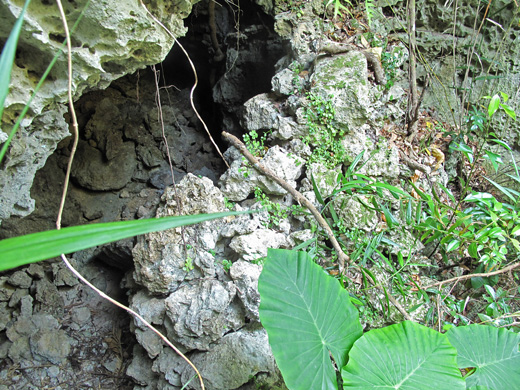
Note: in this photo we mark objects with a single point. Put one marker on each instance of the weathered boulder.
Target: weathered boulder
(111, 40)
(254, 245)
(161, 258)
(344, 80)
(236, 185)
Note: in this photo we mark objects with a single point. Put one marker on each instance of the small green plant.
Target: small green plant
(487, 228)
(498, 311)
(338, 6)
(226, 264)
(297, 82)
(229, 204)
(325, 134)
(255, 142)
(188, 265)
(277, 213)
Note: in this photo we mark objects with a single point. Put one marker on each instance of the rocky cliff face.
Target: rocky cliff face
(313, 112)
(111, 40)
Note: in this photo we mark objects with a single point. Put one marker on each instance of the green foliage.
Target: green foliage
(255, 142)
(498, 311)
(45, 245)
(277, 213)
(324, 133)
(338, 6)
(226, 264)
(492, 351)
(370, 10)
(188, 264)
(487, 228)
(402, 356)
(309, 317)
(303, 331)
(297, 82)
(6, 66)
(390, 62)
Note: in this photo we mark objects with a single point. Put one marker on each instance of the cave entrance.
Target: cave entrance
(235, 50)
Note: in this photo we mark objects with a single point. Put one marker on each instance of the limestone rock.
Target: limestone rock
(53, 347)
(282, 82)
(234, 360)
(92, 171)
(379, 159)
(326, 179)
(236, 187)
(112, 39)
(160, 259)
(344, 79)
(253, 246)
(245, 276)
(353, 214)
(20, 279)
(261, 113)
(202, 313)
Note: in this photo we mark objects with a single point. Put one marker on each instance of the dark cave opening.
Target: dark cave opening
(250, 50)
(121, 168)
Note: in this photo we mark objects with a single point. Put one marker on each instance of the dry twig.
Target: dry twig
(481, 275)
(342, 257)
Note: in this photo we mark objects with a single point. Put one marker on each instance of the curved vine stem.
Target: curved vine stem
(194, 84)
(64, 195)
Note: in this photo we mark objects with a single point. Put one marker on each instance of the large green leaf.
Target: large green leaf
(405, 356)
(40, 246)
(308, 317)
(492, 351)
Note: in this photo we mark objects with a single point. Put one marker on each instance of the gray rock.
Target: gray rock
(236, 187)
(282, 82)
(81, 315)
(20, 279)
(104, 50)
(53, 347)
(26, 306)
(326, 179)
(353, 214)
(140, 369)
(245, 276)
(261, 112)
(234, 360)
(254, 245)
(160, 258)
(343, 79)
(92, 171)
(5, 315)
(201, 314)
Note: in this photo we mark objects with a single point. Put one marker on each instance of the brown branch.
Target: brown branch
(333, 48)
(480, 275)
(342, 257)
(413, 164)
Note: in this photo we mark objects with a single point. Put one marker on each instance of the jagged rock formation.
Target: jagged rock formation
(199, 284)
(111, 40)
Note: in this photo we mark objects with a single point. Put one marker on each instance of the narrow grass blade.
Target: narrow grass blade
(7, 57)
(45, 245)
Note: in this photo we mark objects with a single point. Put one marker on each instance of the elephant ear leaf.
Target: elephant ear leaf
(493, 352)
(308, 317)
(405, 356)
